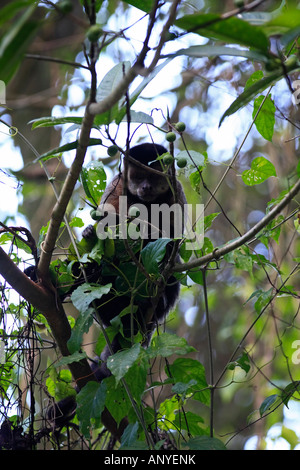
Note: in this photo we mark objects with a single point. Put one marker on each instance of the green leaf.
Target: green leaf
(13, 8)
(267, 404)
(144, 5)
(265, 120)
(242, 362)
(15, 42)
(75, 357)
(271, 231)
(129, 435)
(204, 443)
(186, 370)
(120, 363)
(196, 276)
(259, 86)
(60, 276)
(59, 383)
(255, 77)
(153, 254)
(167, 411)
(109, 82)
(232, 30)
(289, 391)
(82, 325)
(76, 222)
(286, 20)
(217, 50)
(194, 159)
(138, 116)
(261, 170)
(84, 295)
(208, 220)
(117, 401)
(136, 377)
(66, 148)
(55, 121)
(93, 179)
(167, 344)
(90, 404)
(190, 422)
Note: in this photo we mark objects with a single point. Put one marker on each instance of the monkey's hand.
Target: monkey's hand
(89, 232)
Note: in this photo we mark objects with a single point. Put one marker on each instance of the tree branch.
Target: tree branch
(64, 197)
(219, 252)
(137, 68)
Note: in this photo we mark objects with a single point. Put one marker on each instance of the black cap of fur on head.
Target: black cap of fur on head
(146, 153)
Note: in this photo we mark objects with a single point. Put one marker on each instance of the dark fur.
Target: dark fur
(154, 189)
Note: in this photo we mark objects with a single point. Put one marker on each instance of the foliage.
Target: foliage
(174, 393)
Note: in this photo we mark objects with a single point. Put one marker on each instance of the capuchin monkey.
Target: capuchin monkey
(144, 187)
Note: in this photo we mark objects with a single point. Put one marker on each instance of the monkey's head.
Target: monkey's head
(145, 185)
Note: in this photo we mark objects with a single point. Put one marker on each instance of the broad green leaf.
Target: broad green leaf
(167, 410)
(84, 295)
(265, 120)
(15, 42)
(272, 230)
(191, 423)
(255, 77)
(110, 81)
(12, 8)
(267, 404)
(204, 443)
(166, 344)
(196, 276)
(290, 436)
(153, 254)
(261, 169)
(82, 325)
(285, 21)
(66, 148)
(208, 220)
(242, 362)
(138, 116)
(60, 276)
(195, 159)
(93, 179)
(291, 389)
(120, 363)
(136, 377)
(117, 401)
(232, 30)
(144, 5)
(250, 92)
(59, 383)
(135, 115)
(75, 357)
(90, 404)
(129, 435)
(55, 121)
(263, 299)
(217, 50)
(186, 370)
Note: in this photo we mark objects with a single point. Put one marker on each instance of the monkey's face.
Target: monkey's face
(145, 185)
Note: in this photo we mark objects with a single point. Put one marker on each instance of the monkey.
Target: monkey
(147, 188)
